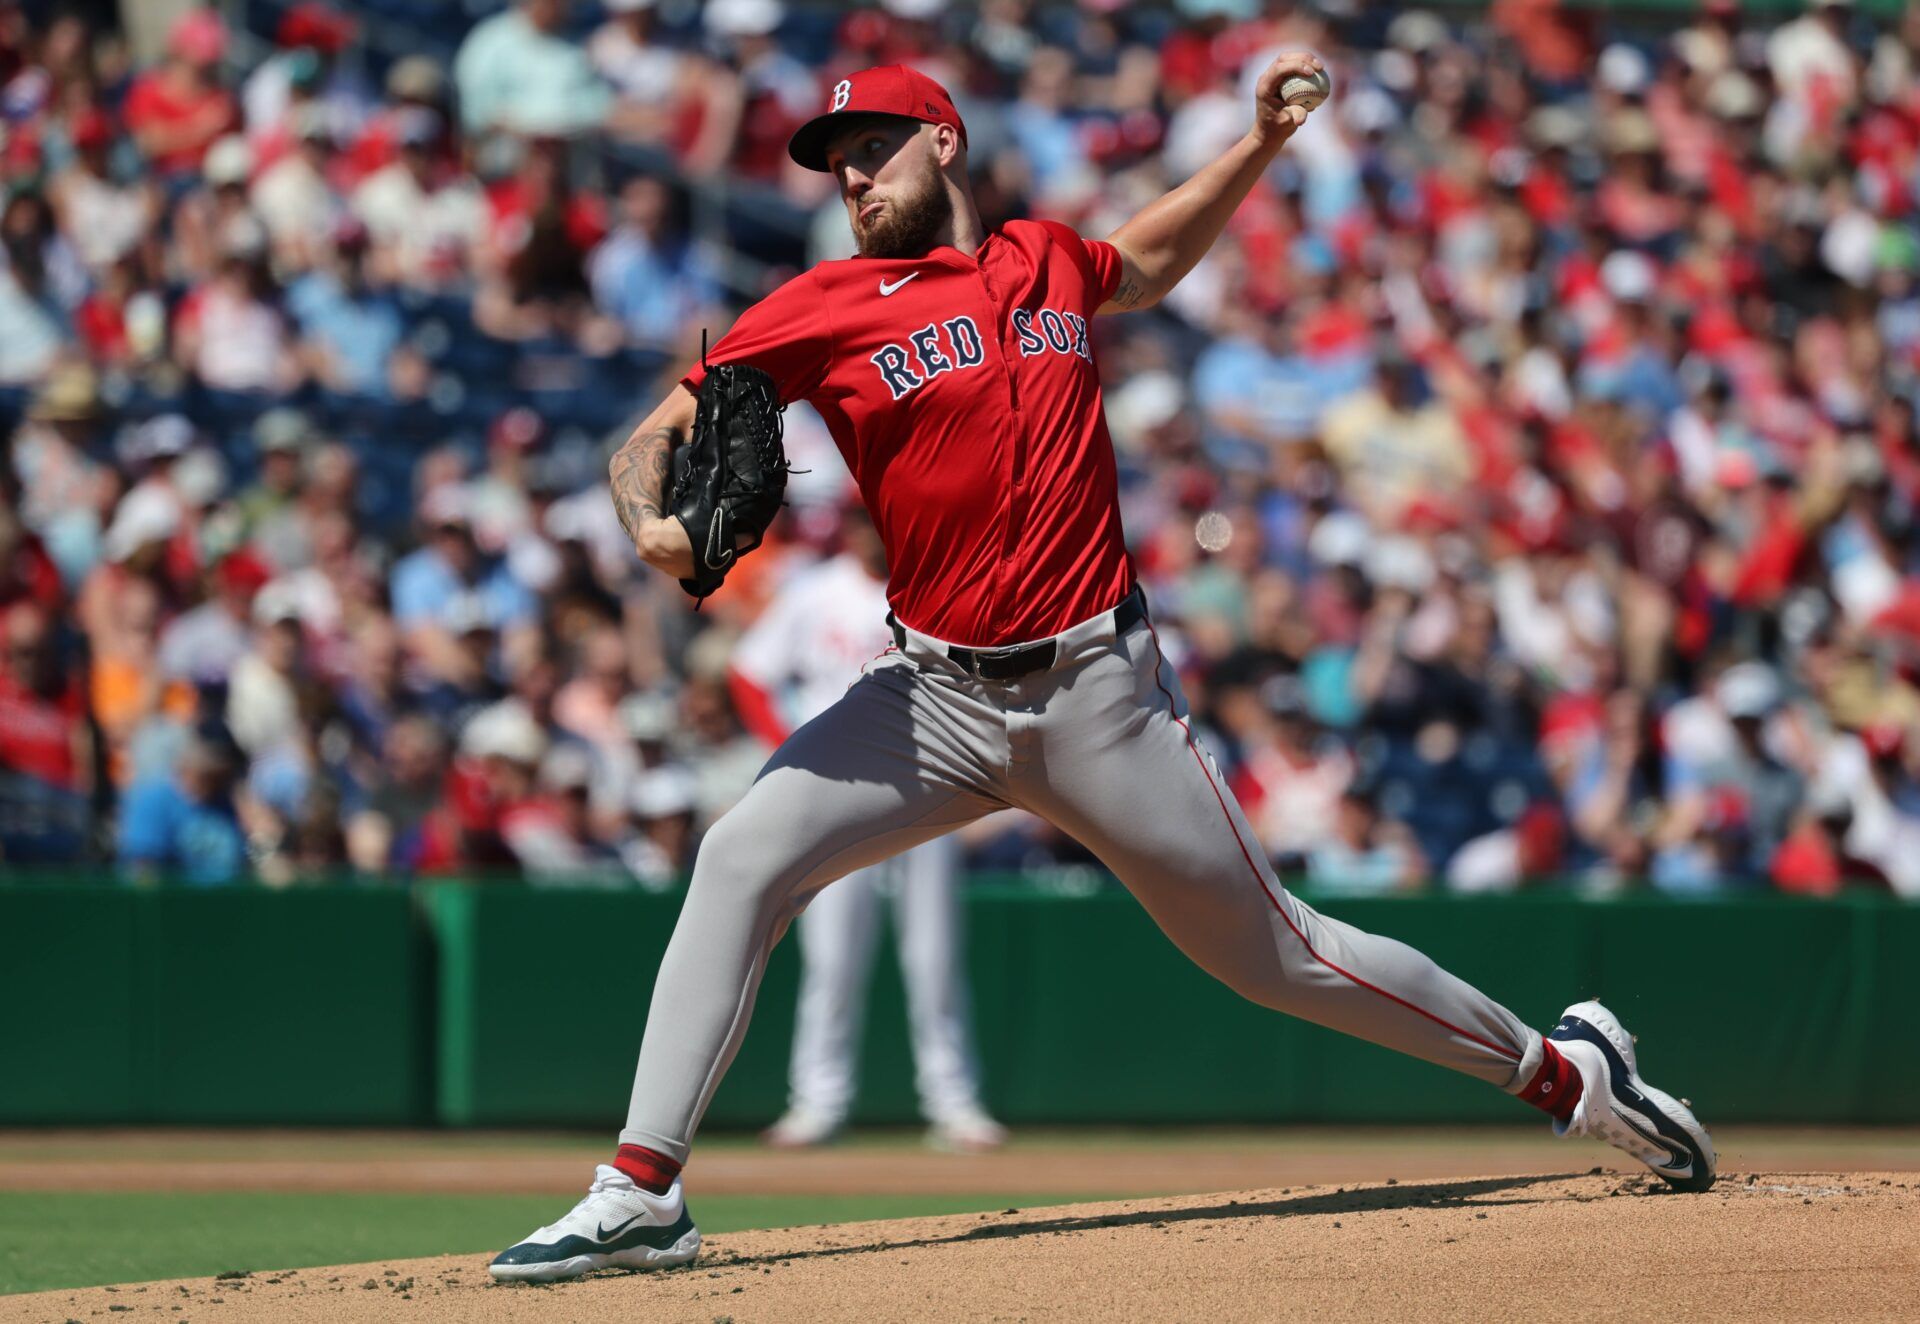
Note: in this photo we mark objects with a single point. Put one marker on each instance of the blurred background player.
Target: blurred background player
(798, 657)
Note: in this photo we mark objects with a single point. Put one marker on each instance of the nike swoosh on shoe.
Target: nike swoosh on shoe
(1688, 1165)
(652, 1236)
(602, 1233)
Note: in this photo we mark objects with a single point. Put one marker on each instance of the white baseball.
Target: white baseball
(1306, 92)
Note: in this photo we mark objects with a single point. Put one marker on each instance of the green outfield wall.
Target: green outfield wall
(499, 1005)
(225, 1005)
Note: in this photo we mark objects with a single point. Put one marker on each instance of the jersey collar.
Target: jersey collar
(944, 254)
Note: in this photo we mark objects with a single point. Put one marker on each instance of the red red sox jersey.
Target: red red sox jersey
(962, 392)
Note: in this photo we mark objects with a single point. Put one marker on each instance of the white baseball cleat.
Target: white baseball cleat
(616, 1226)
(969, 1131)
(802, 1128)
(1620, 1108)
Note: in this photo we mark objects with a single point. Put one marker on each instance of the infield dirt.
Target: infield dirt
(1806, 1246)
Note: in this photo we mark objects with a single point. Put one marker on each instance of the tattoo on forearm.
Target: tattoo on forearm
(1130, 293)
(638, 475)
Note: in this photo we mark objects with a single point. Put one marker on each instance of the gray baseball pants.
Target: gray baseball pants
(1099, 746)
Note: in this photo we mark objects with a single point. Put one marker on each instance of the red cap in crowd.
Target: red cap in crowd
(315, 26)
(91, 128)
(1884, 739)
(891, 89)
(242, 573)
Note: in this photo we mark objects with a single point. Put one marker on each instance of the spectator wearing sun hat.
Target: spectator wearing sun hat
(413, 82)
(659, 850)
(775, 95)
(58, 476)
(495, 774)
(207, 218)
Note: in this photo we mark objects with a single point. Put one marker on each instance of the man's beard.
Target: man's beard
(907, 226)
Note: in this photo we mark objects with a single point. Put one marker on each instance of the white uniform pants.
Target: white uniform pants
(839, 934)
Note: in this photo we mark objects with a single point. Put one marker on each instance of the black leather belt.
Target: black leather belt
(1024, 659)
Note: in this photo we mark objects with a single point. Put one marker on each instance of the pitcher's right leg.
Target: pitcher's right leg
(898, 760)
(894, 763)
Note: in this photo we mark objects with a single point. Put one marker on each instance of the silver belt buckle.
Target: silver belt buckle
(976, 656)
(1016, 650)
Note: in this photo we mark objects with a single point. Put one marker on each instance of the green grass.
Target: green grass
(83, 1239)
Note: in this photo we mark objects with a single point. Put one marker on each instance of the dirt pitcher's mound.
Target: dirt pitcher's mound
(1759, 1246)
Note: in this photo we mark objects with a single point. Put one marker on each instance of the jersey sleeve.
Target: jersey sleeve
(785, 335)
(1098, 260)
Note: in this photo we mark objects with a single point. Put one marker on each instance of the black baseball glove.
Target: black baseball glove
(730, 480)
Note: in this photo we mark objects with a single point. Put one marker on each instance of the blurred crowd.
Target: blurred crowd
(1526, 484)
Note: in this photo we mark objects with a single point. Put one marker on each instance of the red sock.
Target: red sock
(649, 1169)
(1555, 1087)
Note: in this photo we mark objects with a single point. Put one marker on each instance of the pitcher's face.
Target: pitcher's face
(889, 177)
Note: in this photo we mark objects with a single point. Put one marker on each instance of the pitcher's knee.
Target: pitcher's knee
(743, 862)
(1266, 989)
(1278, 979)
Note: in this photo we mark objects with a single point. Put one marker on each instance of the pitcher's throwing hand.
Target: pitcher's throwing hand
(1276, 115)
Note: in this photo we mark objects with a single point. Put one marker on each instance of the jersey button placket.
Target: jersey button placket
(1001, 319)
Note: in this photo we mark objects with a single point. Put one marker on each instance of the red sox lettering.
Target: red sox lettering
(905, 370)
(963, 349)
(1066, 333)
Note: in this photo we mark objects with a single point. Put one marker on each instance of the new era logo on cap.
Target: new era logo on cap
(891, 89)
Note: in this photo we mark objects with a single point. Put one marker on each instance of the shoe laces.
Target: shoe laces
(606, 1178)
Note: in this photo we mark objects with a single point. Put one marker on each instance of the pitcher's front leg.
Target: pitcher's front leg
(872, 776)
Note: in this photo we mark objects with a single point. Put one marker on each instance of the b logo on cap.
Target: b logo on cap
(841, 91)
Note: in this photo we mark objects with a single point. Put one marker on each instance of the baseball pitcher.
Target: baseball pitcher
(955, 369)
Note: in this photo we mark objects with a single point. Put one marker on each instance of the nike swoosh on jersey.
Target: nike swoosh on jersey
(886, 289)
